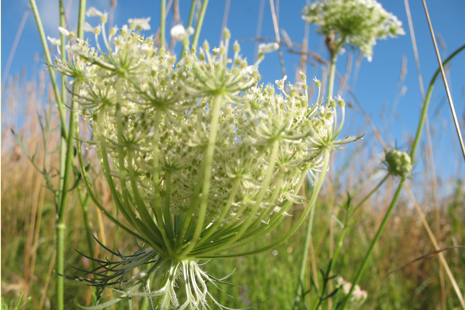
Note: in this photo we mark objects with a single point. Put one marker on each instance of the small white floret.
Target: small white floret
(179, 33)
(87, 27)
(54, 41)
(64, 31)
(268, 48)
(93, 12)
(142, 23)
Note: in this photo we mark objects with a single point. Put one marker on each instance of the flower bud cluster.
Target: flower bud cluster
(398, 163)
(353, 22)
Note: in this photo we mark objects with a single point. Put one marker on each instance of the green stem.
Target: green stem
(311, 205)
(81, 18)
(166, 206)
(156, 182)
(189, 23)
(332, 71)
(218, 100)
(399, 188)
(225, 211)
(162, 23)
(258, 199)
(303, 264)
(84, 202)
(48, 61)
(332, 262)
(60, 265)
(371, 193)
(199, 24)
(66, 161)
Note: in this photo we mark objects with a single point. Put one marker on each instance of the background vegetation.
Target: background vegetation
(28, 218)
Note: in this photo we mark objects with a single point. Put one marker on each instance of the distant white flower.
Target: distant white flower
(142, 23)
(54, 41)
(179, 33)
(346, 287)
(93, 12)
(358, 295)
(352, 23)
(268, 48)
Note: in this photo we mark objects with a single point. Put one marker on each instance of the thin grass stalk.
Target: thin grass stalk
(13, 48)
(259, 28)
(437, 247)
(399, 188)
(47, 281)
(198, 27)
(278, 40)
(429, 148)
(444, 79)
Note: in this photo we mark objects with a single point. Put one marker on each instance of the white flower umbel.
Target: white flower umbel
(199, 158)
(352, 22)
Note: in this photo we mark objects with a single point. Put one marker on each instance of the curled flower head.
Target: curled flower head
(356, 23)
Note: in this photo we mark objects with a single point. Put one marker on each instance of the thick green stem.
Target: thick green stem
(60, 265)
(399, 188)
(66, 162)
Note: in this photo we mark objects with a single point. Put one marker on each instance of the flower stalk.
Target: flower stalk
(402, 181)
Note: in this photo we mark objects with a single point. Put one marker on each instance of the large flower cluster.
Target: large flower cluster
(198, 155)
(353, 22)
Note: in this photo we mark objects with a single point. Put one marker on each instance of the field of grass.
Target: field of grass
(28, 218)
(419, 280)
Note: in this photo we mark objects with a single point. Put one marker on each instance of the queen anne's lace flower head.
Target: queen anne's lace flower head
(196, 143)
(352, 22)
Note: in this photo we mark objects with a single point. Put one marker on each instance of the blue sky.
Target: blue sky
(377, 81)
